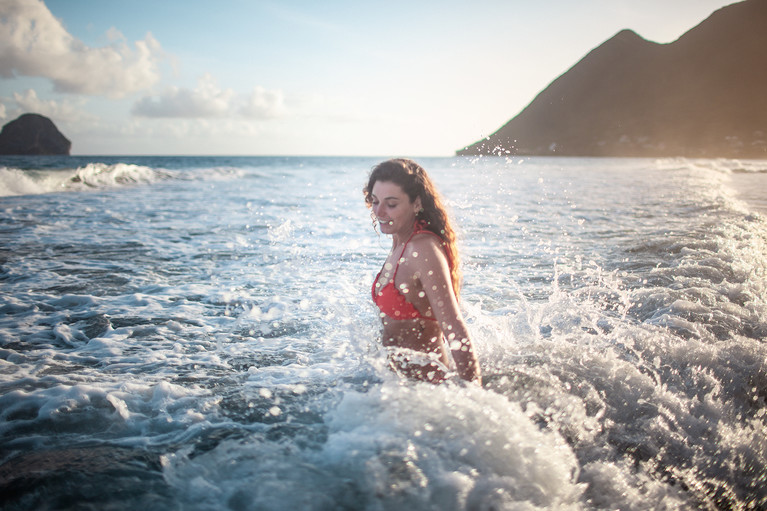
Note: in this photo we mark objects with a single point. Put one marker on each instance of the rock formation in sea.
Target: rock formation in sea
(33, 134)
(703, 95)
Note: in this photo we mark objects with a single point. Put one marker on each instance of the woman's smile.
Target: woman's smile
(392, 208)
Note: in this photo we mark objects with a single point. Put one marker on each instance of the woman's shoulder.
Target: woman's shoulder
(424, 243)
(426, 238)
(426, 255)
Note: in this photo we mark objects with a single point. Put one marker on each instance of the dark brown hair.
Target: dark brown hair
(415, 182)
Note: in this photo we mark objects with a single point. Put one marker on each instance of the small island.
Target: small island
(33, 134)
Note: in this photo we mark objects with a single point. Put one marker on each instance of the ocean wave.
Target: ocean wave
(15, 181)
(221, 348)
(722, 165)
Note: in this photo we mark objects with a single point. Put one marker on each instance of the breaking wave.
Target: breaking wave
(16, 181)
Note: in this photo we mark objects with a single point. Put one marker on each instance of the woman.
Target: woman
(417, 289)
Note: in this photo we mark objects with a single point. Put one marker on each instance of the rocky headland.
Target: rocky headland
(703, 95)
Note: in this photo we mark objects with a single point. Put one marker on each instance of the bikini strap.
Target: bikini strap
(402, 254)
(418, 228)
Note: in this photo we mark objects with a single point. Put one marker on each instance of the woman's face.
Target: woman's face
(392, 207)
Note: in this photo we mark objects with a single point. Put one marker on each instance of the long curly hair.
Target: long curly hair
(415, 182)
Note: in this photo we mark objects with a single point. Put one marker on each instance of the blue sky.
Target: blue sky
(382, 78)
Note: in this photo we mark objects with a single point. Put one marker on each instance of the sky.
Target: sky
(301, 77)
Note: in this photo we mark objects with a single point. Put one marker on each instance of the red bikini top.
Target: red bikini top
(389, 299)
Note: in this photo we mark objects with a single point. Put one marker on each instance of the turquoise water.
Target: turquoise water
(197, 333)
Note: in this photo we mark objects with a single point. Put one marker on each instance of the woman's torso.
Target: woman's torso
(419, 333)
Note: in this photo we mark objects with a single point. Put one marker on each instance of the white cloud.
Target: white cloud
(170, 136)
(264, 104)
(34, 43)
(65, 111)
(207, 100)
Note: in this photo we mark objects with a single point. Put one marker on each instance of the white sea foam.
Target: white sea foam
(404, 447)
(14, 181)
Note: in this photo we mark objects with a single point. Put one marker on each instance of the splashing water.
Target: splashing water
(196, 333)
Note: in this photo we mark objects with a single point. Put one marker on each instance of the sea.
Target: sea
(197, 333)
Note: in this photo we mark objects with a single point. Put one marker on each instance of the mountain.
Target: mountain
(33, 134)
(703, 95)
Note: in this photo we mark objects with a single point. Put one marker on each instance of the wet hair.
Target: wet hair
(415, 182)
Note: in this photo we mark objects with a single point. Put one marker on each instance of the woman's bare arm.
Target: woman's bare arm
(429, 265)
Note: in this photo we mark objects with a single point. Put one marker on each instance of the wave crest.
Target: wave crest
(14, 181)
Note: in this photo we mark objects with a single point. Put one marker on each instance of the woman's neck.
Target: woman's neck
(400, 238)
